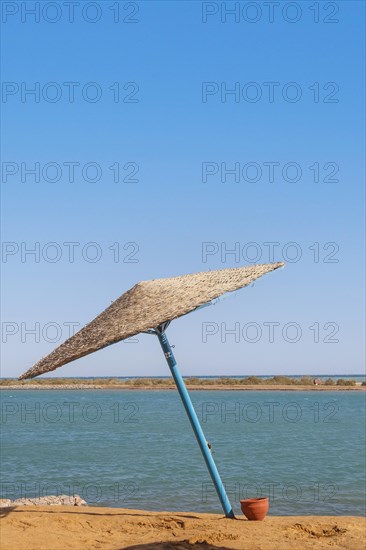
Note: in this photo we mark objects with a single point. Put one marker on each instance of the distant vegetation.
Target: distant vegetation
(341, 382)
(191, 381)
(62, 382)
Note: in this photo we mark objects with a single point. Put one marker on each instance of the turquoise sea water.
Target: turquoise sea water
(136, 449)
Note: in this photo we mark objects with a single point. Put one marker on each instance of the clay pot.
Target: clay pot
(255, 509)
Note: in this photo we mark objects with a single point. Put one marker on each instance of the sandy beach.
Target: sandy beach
(79, 528)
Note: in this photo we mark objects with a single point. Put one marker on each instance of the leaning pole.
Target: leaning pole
(193, 418)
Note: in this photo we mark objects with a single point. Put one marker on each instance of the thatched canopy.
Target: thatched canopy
(147, 305)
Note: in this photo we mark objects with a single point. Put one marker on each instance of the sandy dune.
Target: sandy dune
(87, 528)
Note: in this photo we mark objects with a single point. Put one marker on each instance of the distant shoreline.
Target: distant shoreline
(196, 387)
(220, 383)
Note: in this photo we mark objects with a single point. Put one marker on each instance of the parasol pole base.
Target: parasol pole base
(198, 432)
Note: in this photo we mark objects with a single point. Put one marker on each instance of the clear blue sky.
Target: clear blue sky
(168, 124)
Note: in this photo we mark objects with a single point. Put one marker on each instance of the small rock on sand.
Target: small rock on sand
(52, 500)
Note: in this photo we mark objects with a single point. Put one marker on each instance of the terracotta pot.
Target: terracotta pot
(255, 509)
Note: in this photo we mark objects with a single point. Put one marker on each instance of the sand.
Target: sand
(88, 528)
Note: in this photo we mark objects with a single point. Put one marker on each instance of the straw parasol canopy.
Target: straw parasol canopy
(147, 305)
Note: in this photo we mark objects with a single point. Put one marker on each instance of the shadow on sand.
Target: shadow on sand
(4, 511)
(182, 545)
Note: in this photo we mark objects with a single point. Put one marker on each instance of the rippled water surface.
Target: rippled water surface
(136, 449)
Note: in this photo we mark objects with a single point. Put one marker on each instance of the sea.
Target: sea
(136, 449)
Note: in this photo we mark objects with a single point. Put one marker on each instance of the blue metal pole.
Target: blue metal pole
(198, 432)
